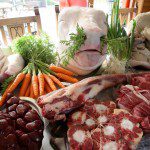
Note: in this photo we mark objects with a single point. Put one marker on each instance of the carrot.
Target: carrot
(61, 70)
(31, 91)
(41, 83)
(27, 94)
(35, 84)
(47, 88)
(56, 81)
(67, 78)
(5, 95)
(50, 82)
(16, 82)
(25, 84)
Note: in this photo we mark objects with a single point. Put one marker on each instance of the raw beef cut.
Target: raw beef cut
(130, 96)
(56, 105)
(140, 56)
(79, 138)
(113, 128)
(142, 82)
(98, 114)
(136, 99)
(88, 57)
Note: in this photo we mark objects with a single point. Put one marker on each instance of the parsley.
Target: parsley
(74, 44)
(34, 47)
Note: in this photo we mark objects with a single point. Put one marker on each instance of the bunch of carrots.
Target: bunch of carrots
(37, 80)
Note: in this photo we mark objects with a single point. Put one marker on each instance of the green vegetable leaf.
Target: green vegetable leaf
(6, 83)
(132, 38)
(74, 44)
(34, 47)
(118, 43)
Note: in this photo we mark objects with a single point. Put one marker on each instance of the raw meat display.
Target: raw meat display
(56, 105)
(99, 126)
(136, 99)
(142, 21)
(88, 57)
(140, 54)
(142, 82)
(98, 112)
(10, 65)
(21, 127)
(141, 51)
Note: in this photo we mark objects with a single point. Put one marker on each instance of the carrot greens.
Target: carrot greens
(73, 44)
(33, 48)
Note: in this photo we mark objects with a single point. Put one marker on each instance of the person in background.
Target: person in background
(69, 3)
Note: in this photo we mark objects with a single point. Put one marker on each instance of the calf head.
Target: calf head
(88, 57)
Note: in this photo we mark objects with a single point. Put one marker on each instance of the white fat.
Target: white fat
(109, 130)
(76, 92)
(102, 119)
(83, 117)
(79, 136)
(110, 146)
(90, 122)
(73, 91)
(100, 107)
(48, 98)
(95, 88)
(58, 105)
(138, 94)
(78, 114)
(127, 124)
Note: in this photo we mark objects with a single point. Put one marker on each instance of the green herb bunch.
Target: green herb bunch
(74, 43)
(38, 53)
(119, 45)
(34, 48)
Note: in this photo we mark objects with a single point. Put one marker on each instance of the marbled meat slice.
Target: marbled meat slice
(143, 82)
(130, 96)
(113, 129)
(79, 138)
(136, 99)
(56, 105)
(92, 114)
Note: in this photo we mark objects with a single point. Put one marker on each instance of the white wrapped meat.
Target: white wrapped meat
(14, 63)
(10, 65)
